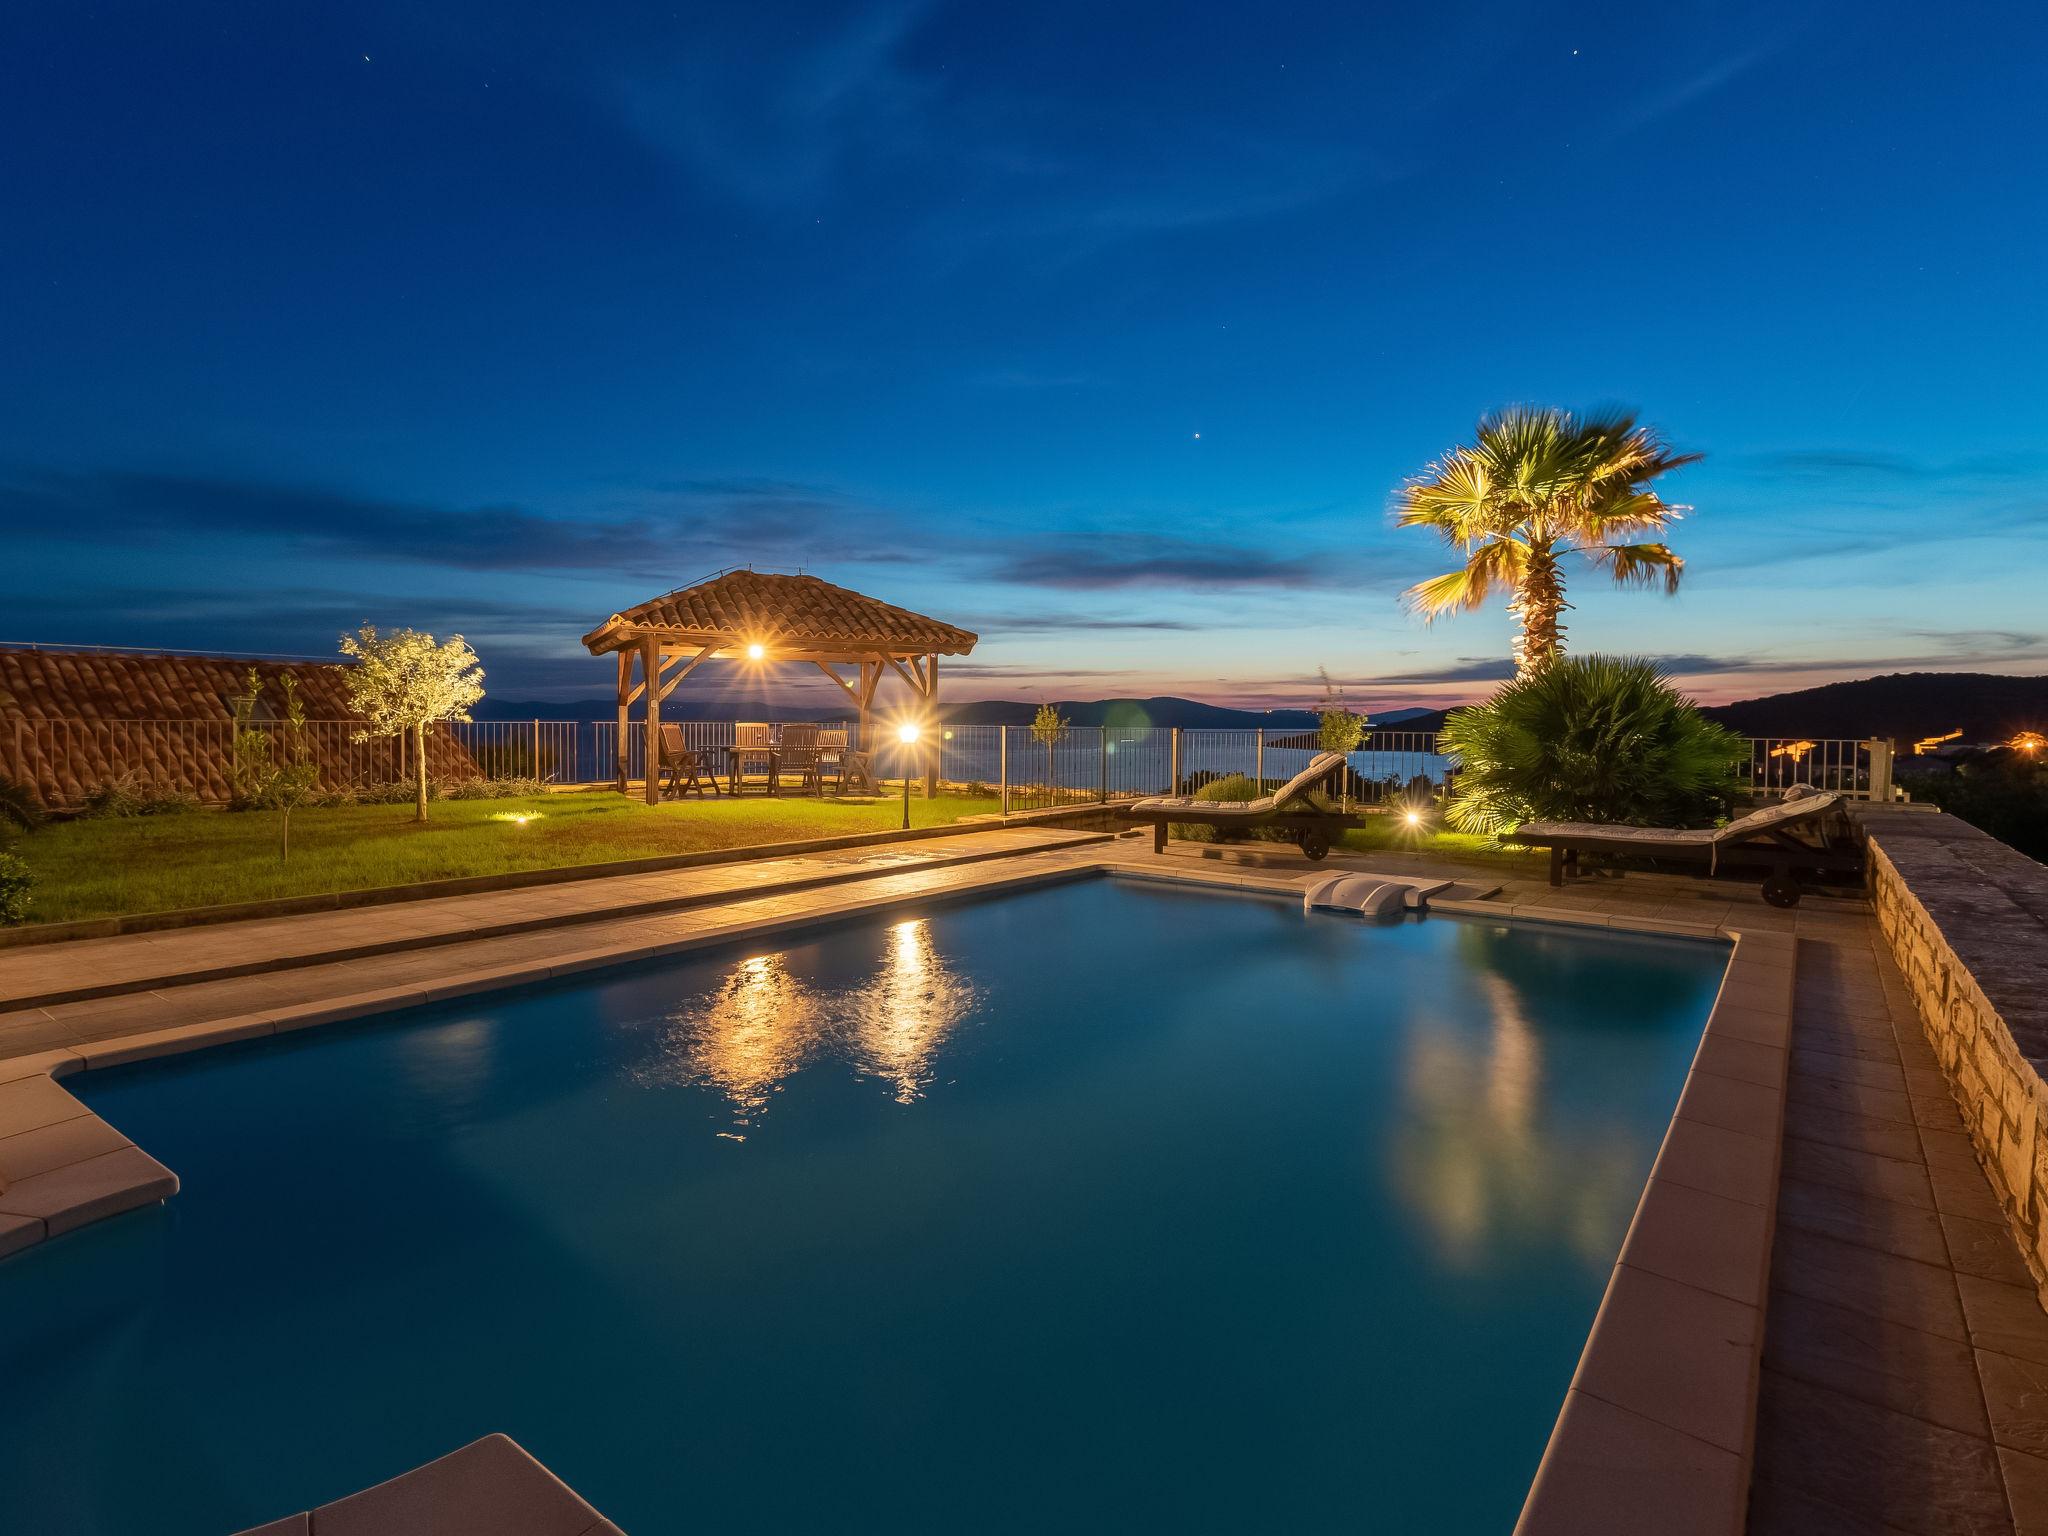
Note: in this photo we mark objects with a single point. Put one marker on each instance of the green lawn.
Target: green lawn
(1391, 834)
(154, 863)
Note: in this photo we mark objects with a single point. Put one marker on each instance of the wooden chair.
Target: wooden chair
(753, 741)
(833, 742)
(857, 773)
(799, 755)
(683, 769)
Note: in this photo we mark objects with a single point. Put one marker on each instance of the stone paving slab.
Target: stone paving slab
(1905, 1365)
(79, 973)
(102, 1031)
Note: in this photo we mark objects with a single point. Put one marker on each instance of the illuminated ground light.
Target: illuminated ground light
(1413, 818)
(516, 818)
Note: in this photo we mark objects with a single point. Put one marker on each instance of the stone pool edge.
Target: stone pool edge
(79, 1168)
(87, 1171)
(1658, 1423)
(1658, 1428)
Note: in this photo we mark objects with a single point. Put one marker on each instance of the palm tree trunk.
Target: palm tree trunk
(1539, 606)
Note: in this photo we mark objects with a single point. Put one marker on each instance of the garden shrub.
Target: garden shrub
(1589, 738)
(495, 789)
(17, 880)
(20, 810)
(128, 795)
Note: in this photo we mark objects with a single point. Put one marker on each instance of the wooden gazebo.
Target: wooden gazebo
(759, 617)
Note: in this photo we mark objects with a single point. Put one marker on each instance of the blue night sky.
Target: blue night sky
(1104, 330)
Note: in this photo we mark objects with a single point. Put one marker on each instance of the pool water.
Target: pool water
(1098, 1207)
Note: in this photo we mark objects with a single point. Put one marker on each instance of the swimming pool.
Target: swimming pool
(1101, 1206)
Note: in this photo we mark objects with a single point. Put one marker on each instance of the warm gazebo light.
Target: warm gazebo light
(907, 732)
(1929, 743)
(1796, 750)
(756, 651)
(2028, 741)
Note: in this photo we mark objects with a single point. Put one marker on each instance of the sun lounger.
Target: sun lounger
(1288, 808)
(1801, 834)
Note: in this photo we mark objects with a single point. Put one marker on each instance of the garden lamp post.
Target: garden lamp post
(907, 734)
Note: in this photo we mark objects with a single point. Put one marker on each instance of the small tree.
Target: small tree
(274, 773)
(404, 682)
(1049, 726)
(1339, 728)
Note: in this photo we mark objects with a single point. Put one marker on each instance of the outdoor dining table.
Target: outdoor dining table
(737, 758)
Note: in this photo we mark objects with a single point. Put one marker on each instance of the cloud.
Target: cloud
(773, 131)
(1097, 561)
(1676, 98)
(684, 527)
(1063, 623)
(1033, 671)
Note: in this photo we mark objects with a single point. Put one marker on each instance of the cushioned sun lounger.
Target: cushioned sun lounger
(1288, 807)
(1801, 834)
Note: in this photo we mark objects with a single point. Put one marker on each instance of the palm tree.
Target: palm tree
(1538, 485)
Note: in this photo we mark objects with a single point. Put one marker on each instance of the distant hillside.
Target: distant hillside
(1188, 714)
(1903, 706)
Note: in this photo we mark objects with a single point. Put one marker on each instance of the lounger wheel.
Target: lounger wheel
(1315, 844)
(1781, 891)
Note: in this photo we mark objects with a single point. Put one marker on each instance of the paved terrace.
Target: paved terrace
(1905, 1379)
(48, 991)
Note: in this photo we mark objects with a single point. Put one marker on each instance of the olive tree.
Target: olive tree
(404, 682)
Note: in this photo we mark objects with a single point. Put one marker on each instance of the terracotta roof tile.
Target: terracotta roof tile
(793, 611)
(72, 720)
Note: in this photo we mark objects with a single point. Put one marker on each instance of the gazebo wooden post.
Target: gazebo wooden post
(650, 673)
(931, 711)
(625, 705)
(870, 680)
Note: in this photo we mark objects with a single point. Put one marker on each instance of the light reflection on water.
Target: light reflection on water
(761, 1023)
(1484, 1163)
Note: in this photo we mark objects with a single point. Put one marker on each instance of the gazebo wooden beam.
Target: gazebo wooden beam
(669, 687)
(650, 673)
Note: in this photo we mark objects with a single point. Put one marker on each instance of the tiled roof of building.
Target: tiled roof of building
(71, 721)
(120, 685)
(750, 607)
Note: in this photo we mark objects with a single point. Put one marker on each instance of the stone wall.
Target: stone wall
(1966, 918)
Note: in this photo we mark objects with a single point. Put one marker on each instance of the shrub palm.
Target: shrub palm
(1589, 738)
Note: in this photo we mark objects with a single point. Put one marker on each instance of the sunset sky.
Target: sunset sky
(1105, 331)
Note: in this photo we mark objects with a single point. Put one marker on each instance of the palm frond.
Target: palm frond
(1452, 592)
(1640, 565)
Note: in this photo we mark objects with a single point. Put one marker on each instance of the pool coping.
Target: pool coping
(1658, 1426)
(1658, 1423)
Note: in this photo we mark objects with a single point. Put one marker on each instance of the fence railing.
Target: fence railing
(64, 760)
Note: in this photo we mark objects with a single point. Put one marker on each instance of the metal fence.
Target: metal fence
(64, 760)
(1861, 770)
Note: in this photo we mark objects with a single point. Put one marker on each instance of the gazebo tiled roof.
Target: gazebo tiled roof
(799, 613)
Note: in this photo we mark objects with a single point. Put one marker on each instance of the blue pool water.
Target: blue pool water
(1099, 1207)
